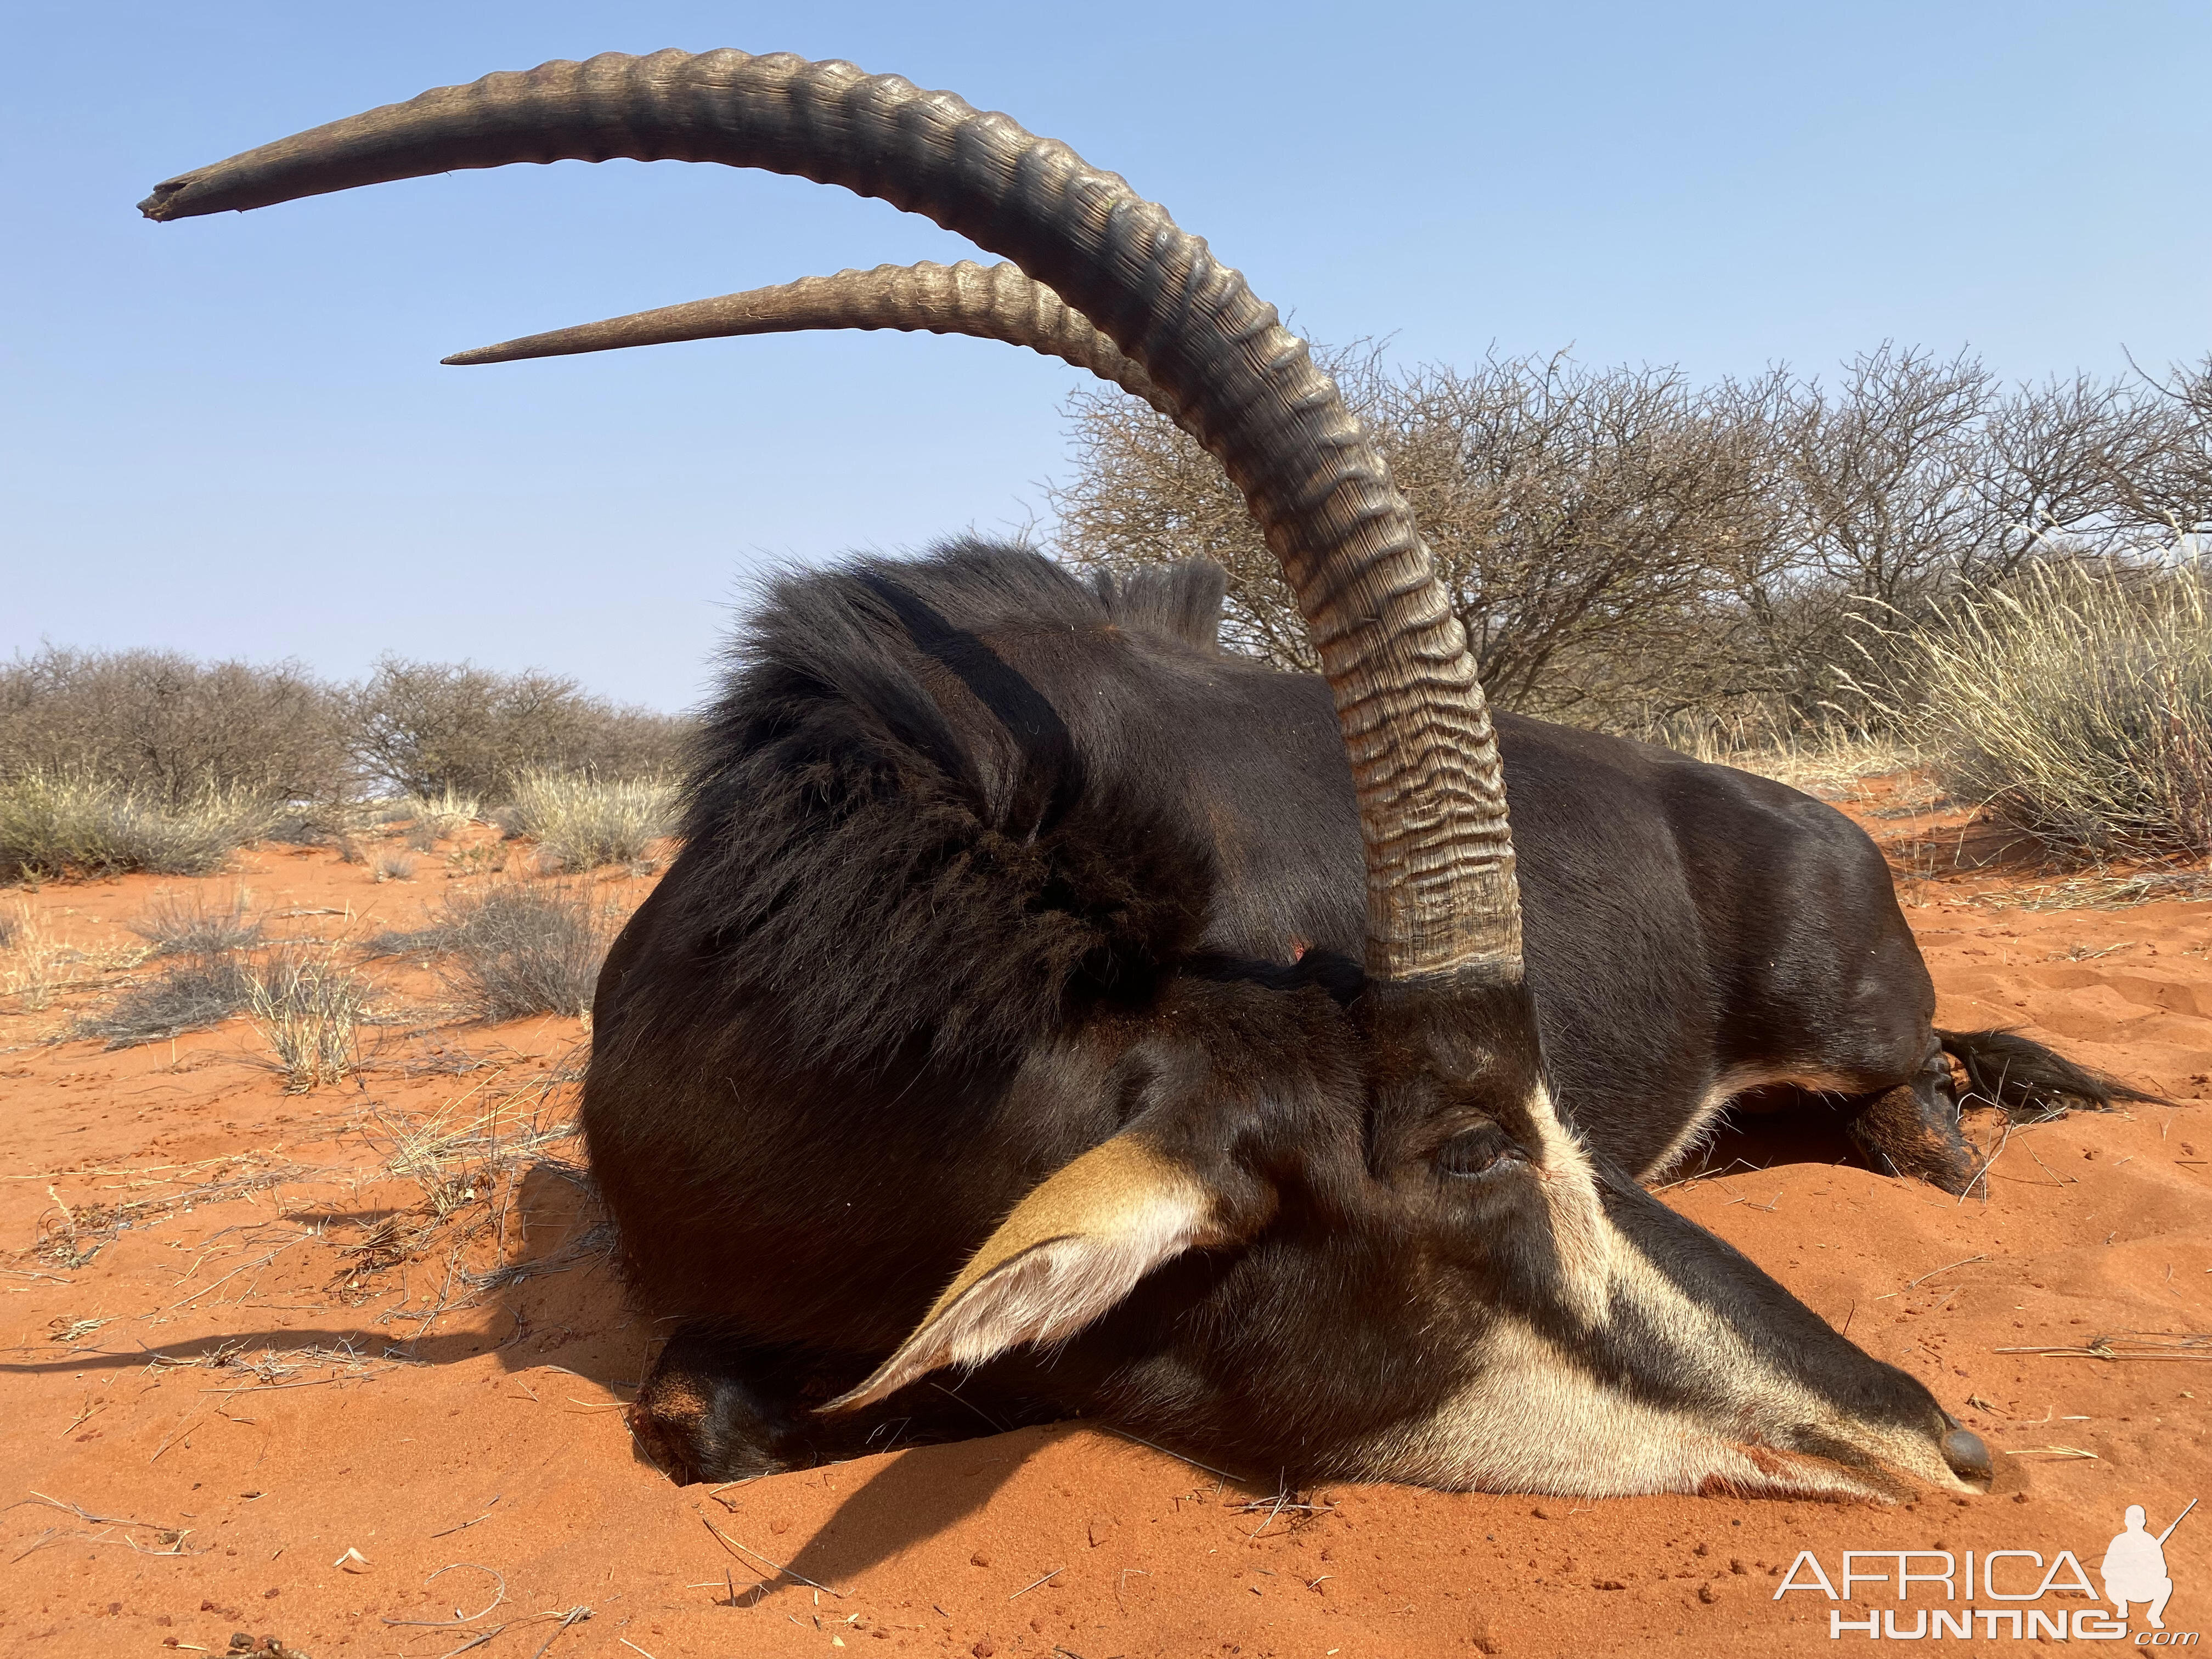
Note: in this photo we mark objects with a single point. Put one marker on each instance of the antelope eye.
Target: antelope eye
(1479, 1151)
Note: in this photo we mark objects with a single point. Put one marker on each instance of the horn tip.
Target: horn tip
(162, 204)
(238, 185)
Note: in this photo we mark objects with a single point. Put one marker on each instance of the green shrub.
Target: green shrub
(54, 823)
(432, 727)
(171, 734)
(170, 731)
(580, 823)
(2076, 706)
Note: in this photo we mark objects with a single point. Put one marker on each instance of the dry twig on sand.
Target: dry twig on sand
(1966, 1262)
(498, 1595)
(2130, 1344)
(2104, 892)
(732, 1543)
(574, 1615)
(71, 1235)
(470, 1166)
(167, 1541)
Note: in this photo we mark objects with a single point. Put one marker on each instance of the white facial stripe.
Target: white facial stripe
(1761, 1395)
(1583, 1238)
(1533, 1420)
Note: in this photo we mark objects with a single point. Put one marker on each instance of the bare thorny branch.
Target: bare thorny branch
(1620, 544)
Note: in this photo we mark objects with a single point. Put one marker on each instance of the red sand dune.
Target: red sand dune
(271, 1404)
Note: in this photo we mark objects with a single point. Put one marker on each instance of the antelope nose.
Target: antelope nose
(1968, 1457)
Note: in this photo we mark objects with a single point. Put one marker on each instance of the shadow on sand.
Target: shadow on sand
(915, 1496)
(557, 1294)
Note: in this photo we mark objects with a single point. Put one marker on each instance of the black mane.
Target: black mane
(898, 837)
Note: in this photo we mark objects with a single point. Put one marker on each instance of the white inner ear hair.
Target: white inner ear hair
(1050, 1291)
(1107, 1220)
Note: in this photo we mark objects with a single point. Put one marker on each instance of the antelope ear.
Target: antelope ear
(1072, 1249)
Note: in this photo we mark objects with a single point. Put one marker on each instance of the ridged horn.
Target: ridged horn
(986, 303)
(1440, 890)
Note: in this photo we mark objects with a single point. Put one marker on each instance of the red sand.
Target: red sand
(475, 1463)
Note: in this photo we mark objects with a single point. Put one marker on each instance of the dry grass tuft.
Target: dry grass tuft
(392, 866)
(440, 816)
(176, 925)
(580, 823)
(1830, 762)
(453, 1153)
(309, 1009)
(35, 970)
(56, 823)
(484, 859)
(518, 949)
(2075, 706)
(469, 1160)
(191, 993)
(2104, 892)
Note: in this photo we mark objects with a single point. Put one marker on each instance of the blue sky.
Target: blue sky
(232, 435)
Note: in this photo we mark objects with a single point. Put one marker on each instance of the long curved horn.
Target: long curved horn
(1441, 897)
(988, 302)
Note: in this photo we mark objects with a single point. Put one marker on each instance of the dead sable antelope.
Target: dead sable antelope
(1039, 993)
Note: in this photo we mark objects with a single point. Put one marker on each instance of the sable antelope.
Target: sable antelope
(1014, 1005)
(1841, 1005)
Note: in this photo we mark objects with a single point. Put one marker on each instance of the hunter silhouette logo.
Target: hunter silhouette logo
(2135, 1566)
